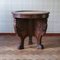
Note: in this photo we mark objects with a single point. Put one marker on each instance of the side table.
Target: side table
(31, 23)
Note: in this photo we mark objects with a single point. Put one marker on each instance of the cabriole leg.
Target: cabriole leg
(30, 40)
(40, 30)
(21, 43)
(39, 41)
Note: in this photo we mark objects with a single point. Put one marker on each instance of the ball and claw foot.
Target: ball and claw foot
(40, 46)
(21, 47)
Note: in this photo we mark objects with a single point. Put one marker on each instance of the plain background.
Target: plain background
(7, 6)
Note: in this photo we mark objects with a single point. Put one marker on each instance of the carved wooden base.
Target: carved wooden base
(30, 27)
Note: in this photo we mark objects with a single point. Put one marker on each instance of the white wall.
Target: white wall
(7, 6)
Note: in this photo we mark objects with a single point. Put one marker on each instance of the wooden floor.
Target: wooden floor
(9, 48)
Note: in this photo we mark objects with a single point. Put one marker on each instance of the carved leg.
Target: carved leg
(21, 34)
(39, 41)
(21, 30)
(30, 28)
(40, 45)
(21, 44)
(30, 40)
(39, 32)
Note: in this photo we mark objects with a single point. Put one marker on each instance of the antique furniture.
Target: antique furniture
(29, 23)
